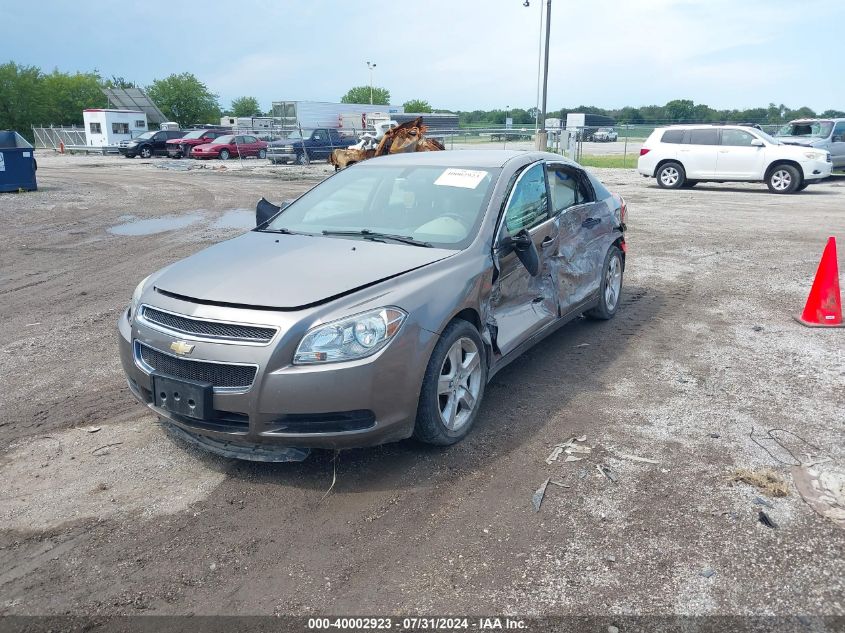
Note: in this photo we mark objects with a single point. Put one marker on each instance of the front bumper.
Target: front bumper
(340, 405)
(281, 156)
(816, 169)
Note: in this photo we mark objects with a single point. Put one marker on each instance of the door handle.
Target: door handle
(590, 222)
(547, 241)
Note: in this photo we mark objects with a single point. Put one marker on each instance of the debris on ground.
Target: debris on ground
(93, 429)
(765, 479)
(570, 447)
(605, 470)
(638, 459)
(707, 573)
(537, 498)
(715, 436)
(766, 520)
(823, 489)
(554, 455)
(762, 502)
(558, 483)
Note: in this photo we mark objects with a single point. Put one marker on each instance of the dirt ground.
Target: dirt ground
(103, 513)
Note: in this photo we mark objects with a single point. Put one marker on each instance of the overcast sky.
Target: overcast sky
(457, 54)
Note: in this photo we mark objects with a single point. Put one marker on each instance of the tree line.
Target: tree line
(675, 111)
(30, 96)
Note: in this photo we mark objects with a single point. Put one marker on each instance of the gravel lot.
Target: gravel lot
(126, 520)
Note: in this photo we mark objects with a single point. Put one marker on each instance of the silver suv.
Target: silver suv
(826, 134)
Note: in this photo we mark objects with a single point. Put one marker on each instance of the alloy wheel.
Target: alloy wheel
(669, 176)
(781, 180)
(612, 283)
(459, 383)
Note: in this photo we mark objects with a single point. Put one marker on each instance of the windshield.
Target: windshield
(605, 129)
(808, 129)
(443, 206)
(223, 140)
(298, 135)
(195, 134)
(146, 135)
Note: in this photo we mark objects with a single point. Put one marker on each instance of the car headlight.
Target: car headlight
(351, 338)
(816, 155)
(132, 144)
(136, 297)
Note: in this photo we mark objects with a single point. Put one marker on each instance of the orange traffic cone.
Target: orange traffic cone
(824, 305)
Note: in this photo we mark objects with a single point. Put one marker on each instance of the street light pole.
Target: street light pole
(371, 66)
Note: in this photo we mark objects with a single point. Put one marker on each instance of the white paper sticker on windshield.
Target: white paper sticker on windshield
(466, 178)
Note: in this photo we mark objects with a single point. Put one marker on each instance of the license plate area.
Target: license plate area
(183, 397)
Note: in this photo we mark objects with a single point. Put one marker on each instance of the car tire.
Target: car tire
(146, 152)
(671, 175)
(783, 179)
(262, 153)
(804, 184)
(453, 386)
(302, 159)
(224, 154)
(689, 184)
(610, 289)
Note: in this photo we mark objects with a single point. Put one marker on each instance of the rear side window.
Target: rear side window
(703, 137)
(673, 136)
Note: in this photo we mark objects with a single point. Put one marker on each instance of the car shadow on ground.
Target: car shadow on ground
(519, 402)
(707, 187)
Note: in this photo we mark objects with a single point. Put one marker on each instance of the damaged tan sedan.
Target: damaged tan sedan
(377, 305)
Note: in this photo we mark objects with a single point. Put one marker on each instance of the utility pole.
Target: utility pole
(371, 66)
(542, 135)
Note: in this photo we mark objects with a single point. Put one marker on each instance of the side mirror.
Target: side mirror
(266, 211)
(757, 143)
(526, 251)
(836, 139)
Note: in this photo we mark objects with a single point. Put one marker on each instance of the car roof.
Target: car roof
(468, 158)
(696, 126)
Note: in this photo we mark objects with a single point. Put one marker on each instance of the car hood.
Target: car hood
(797, 140)
(271, 270)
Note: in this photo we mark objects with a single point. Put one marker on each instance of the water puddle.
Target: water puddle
(236, 219)
(155, 225)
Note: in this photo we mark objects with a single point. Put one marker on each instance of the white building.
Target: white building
(104, 127)
(251, 123)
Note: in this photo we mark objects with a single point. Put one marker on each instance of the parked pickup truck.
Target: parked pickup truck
(301, 148)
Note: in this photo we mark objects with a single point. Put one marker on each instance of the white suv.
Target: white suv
(684, 155)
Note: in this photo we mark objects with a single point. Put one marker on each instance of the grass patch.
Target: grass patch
(616, 161)
(765, 479)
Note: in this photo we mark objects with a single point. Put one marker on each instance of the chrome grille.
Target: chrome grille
(208, 329)
(220, 375)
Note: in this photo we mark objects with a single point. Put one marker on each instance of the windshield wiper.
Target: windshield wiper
(282, 230)
(367, 234)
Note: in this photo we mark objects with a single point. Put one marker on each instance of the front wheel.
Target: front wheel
(224, 154)
(804, 184)
(453, 386)
(262, 153)
(783, 179)
(610, 289)
(671, 176)
(146, 152)
(301, 159)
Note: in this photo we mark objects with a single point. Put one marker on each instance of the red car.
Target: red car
(230, 145)
(179, 147)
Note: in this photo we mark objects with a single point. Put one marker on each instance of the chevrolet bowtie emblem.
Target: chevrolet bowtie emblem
(181, 347)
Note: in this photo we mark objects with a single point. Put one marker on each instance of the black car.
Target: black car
(149, 143)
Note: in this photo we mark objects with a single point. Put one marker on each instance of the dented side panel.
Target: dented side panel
(520, 304)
